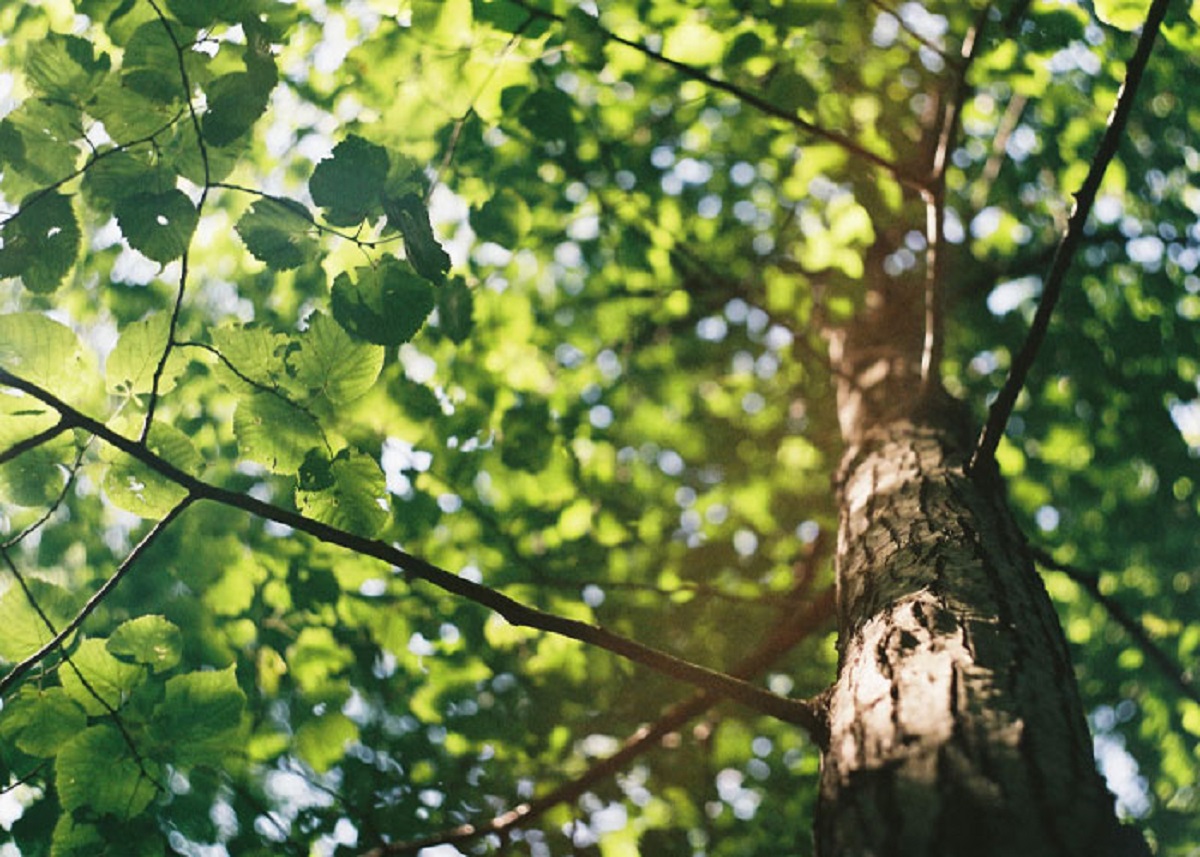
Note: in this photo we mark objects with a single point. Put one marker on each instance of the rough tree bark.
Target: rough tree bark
(956, 726)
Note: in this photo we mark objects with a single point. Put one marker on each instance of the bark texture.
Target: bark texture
(955, 723)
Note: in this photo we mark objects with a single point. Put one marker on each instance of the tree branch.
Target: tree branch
(32, 442)
(787, 634)
(800, 712)
(846, 143)
(1091, 583)
(98, 596)
(989, 438)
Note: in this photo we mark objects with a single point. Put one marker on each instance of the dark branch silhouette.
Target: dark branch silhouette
(989, 438)
(789, 631)
(1091, 584)
(800, 712)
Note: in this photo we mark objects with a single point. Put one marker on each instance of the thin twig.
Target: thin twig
(935, 213)
(1091, 584)
(92, 603)
(202, 145)
(989, 438)
(846, 143)
(32, 442)
(924, 41)
(801, 712)
(790, 631)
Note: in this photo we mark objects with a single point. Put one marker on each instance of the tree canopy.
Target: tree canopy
(417, 422)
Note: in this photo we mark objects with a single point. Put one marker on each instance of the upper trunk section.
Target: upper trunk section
(955, 724)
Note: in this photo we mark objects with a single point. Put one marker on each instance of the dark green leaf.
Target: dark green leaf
(547, 113)
(279, 233)
(159, 225)
(527, 437)
(347, 183)
(456, 306)
(118, 174)
(65, 67)
(235, 103)
(41, 242)
(386, 306)
(409, 215)
(503, 219)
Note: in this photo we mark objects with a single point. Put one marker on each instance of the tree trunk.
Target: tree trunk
(955, 723)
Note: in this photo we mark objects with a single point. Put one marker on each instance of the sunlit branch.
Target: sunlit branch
(790, 631)
(934, 195)
(989, 438)
(92, 603)
(924, 41)
(846, 143)
(801, 712)
(991, 169)
(1091, 584)
(32, 442)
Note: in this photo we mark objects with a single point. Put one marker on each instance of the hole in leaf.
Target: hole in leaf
(161, 220)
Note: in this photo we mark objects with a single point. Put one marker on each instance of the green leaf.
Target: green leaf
(1125, 15)
(329, 362)
(137, 488)
(387, 305)
(527, 437)
(275, 433)
(409, 215)
(49, 354)
(40, 720)
(695, 43)
(41, 242)
(150, 66)
(503, 219)
(235, 103)
(322, 742)
(348, 492)
(119, 173)
(151, 640)
(255, 354)
(279, 233)
(456, 306)
(25, 631)
(129, 115)
(97, 771)
(65, 67)
(547, 113)
(347, 183)
(98, 681)
(587, 41)
(159, 225)
(131, 365)
(37, 141)
(200, 715)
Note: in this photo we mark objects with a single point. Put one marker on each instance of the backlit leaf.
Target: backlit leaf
(274, 432)
(151, 640)
(159, 225)
(41, 243)
(387, 305)
(346, 492)
(98, 772)
(279, 233)
(133, 362)
(200, 715)
(329, 362)
(97, 680)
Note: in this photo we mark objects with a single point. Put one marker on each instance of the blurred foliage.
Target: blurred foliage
(486, 280)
